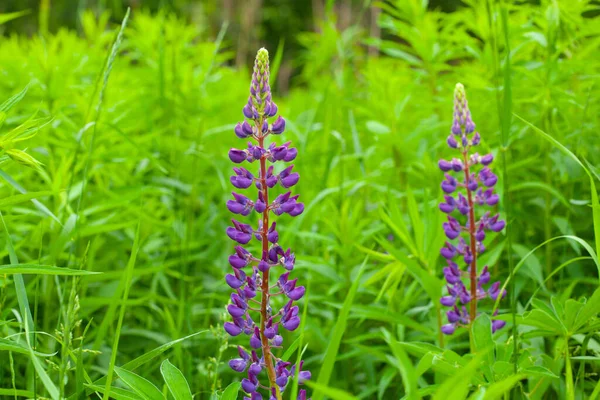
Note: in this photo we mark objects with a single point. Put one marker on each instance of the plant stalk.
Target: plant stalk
(264, 304)
(473, 272)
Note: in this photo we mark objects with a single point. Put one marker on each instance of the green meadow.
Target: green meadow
(116, 118)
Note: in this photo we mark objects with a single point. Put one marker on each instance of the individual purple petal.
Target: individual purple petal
(453, 315)
(277, 340)
(255, 342)
(278, 126)
(497, 324)
(296, 293)
(487, 159)
(292, 323)
(235, 311)
(238, 364)
(248, 386)
(448, 329)
(452, 143)
(291, 155)
(445, 165)
(232, 328)
(237, 156)
(448, 301)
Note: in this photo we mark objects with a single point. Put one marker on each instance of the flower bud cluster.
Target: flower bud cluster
(464, 189)
(250, 274)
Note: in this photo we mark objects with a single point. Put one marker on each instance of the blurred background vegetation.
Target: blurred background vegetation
(366, 89)
(251, 24)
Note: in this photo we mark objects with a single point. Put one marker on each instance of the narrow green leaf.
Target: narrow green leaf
(176, 382)
(116, 393)
(332, 393)
(139, 385)
(37, 204)
(16, 393)
(407, 371)
(457, 386)
(338, 333)
(38, 269)
(594, 192)
(128, 276)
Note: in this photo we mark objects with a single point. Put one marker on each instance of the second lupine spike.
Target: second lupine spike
(463, 193)
(253, 286)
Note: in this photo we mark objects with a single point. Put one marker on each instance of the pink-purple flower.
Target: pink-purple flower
(468, 183)
(254, 292)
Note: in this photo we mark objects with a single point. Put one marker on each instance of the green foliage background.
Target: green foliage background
(135, 178)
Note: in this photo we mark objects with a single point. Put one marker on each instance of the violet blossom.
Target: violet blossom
(468, 186)
(250, 278)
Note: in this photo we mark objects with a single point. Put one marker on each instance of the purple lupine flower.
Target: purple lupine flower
(462, 193)
(263, 336)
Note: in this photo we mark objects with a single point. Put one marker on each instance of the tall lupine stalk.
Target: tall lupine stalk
(264, 336)
(472, 187)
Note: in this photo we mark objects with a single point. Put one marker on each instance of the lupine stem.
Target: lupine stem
(264, 304)
(264, 335)
(479, 187)
(473, 274)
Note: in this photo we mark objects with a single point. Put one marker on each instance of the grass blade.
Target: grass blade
(128, 276)
(338, 333)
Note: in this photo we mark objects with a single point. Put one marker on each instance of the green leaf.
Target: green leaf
(141, 386)
(16, 392)
(39, 269)
(338, 333)
(482, 338)
(231, 392)
(145, 358)
(591, 309)
(10, 345)
(540, 371)
(22, 190)
(22, 198)
(28, 319)
(594, 192)
(127, 279)
(457, 386)
(405, 367)
(542, 320)
(116, 393)
(377, 128)
(5, 17)
(176, 382)
(498, 389)
(332, 393)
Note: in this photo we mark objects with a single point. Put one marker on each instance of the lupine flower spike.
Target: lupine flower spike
(250, 278)
(468, 183)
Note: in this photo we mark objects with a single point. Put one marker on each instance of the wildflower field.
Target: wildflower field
(299, 199)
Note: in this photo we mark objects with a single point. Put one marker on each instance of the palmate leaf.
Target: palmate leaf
(484, 343)
(591, 309)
